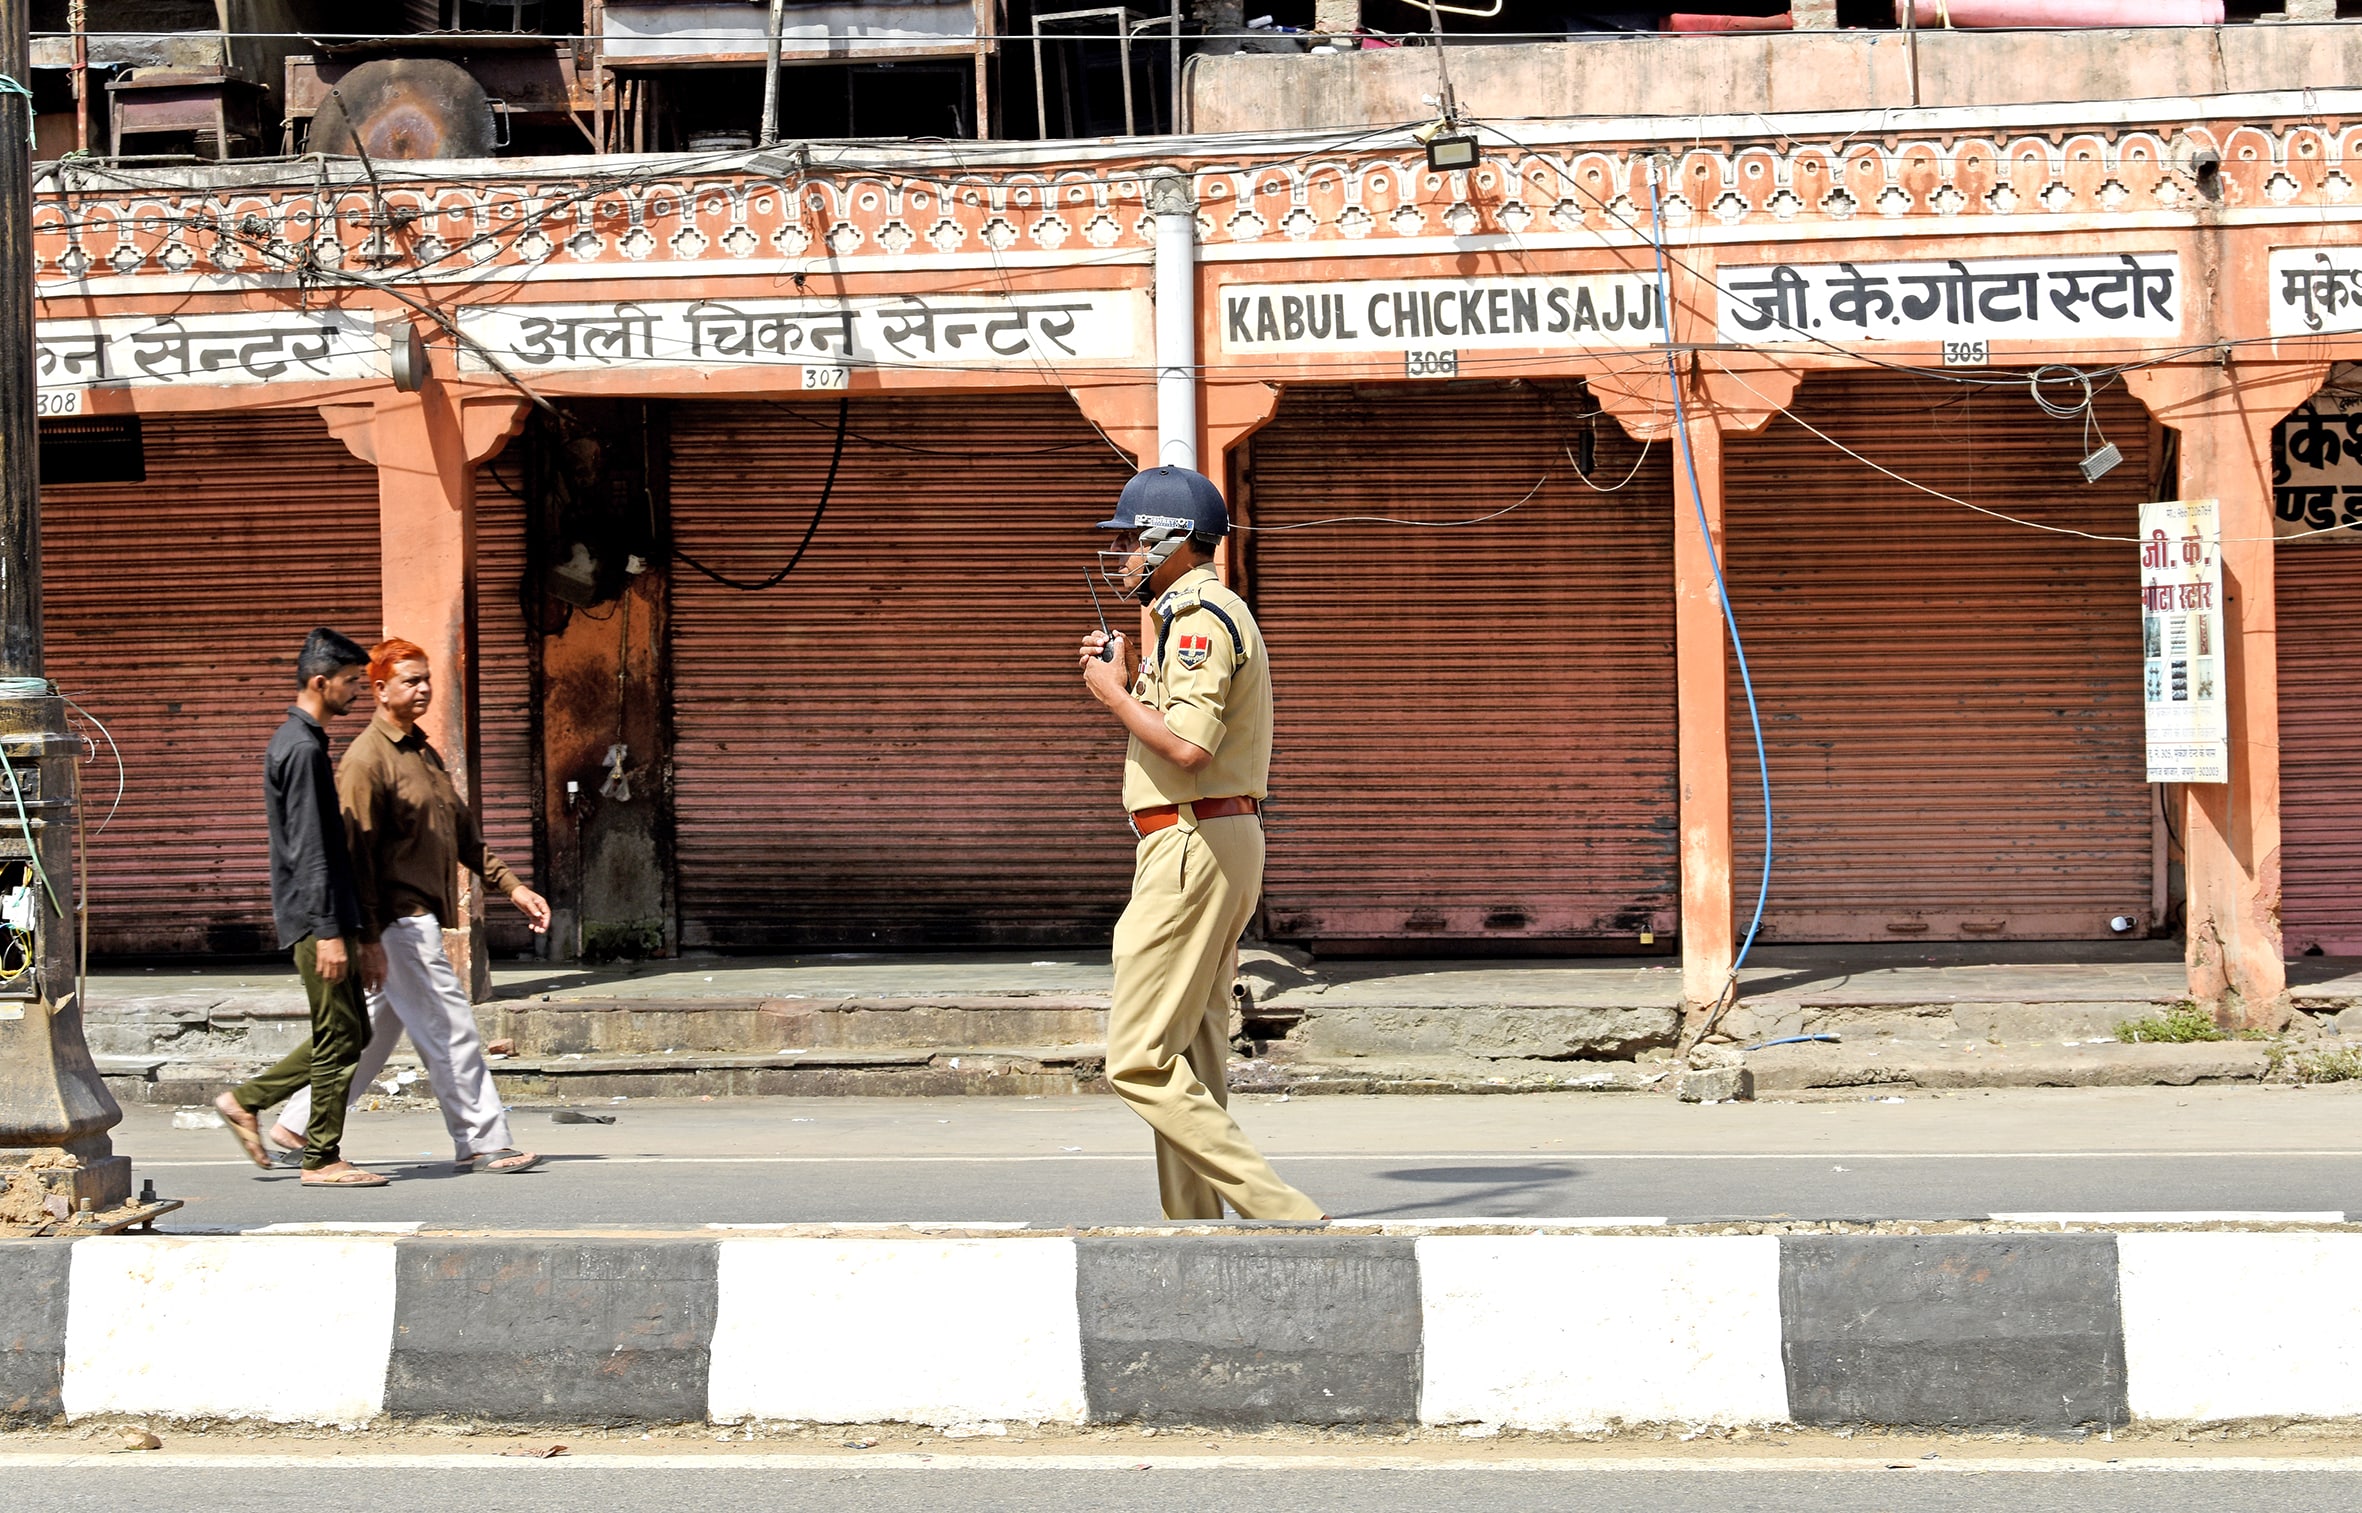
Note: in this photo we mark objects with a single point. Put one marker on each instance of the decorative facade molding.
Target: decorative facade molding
(642, 217)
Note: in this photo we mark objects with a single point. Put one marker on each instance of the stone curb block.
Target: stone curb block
(2040, 1333)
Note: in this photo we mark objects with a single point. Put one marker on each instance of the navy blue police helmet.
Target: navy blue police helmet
(1167, 506)
(1170, 498)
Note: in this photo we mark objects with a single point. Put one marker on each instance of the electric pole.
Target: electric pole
(54, 1110)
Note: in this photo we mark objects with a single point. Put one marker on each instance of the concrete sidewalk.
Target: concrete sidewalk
(2025, 1014)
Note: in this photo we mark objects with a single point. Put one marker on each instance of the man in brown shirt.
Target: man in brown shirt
(410, 834)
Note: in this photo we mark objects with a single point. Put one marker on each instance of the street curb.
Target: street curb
(2034, 1333)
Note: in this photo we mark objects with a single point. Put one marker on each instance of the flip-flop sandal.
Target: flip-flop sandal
(506, 1162)
(248, 1136)
(354, 1178)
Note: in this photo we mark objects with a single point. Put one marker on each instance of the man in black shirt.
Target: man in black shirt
(318, 913)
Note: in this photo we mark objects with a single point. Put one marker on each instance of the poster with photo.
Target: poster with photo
(2181, 641)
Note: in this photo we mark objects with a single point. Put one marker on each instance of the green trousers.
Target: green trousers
(340, 1027)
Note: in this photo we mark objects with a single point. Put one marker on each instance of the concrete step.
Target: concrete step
(611, 1027)
(1061, 1069)
(919, 1072)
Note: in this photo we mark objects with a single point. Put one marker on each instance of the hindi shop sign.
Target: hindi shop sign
(2182, 642)
(145, 351)
(1394, 315)
(2317, 472)
(906, 331)
(2313, 291)
(1988, 299)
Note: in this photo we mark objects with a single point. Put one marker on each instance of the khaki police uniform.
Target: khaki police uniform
(1194, 886)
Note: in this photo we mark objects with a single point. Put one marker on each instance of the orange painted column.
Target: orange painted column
(425, 447)
(1228, 413)
(1702, 660)
(2231, 831)
(1738, 398)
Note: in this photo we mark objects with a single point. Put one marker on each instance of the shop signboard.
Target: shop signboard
(1033, 332)
(72, 357)
(2182, 641)
(1960, 303)
(1433, 318)
(2314, 291)
(2317, 471)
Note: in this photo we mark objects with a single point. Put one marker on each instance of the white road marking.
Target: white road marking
(560, 1158)
(2193, 1216)
(1955, 1461)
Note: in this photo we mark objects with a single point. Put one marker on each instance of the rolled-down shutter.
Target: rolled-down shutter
(893, 745)
(505, 793)
(1476, 737)
(2320, 745)
(174, 610)
(1952, 702)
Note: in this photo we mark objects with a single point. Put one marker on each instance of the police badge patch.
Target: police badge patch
(1193, 651)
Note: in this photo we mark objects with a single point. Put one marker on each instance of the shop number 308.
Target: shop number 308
(57, 402)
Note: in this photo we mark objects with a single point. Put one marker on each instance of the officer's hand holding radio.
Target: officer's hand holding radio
(1106, 671)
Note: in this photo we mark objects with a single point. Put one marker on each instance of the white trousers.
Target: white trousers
(421, 994)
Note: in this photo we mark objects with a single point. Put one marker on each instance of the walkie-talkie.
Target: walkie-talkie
(1107, 646)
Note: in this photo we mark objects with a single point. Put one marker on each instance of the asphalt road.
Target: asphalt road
(563, 1487)
(1085, 1160)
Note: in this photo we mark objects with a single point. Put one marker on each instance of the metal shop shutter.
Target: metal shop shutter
(505, 792)
(1476, 737)
(1952, 702)
(892, 746)
(174, 610)
(2320, 741)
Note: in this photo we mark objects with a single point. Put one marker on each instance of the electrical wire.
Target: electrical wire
(1585, 478)
(1305, 525)
(880, 442)
(122, 776)
(1730, 990)
(828, 487)
(24, 822)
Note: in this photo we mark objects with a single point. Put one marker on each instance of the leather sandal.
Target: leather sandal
(245, 1128)
(351, 1176)
(506, 1162)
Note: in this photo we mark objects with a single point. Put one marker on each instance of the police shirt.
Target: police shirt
(1208, 676)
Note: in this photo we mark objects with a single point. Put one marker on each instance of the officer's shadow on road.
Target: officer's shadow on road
(1492, 1192)
(440, 1171)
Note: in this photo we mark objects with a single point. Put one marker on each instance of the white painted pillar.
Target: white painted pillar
(1176, 319)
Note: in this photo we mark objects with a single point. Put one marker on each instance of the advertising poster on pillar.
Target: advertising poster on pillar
(1961, 301)
(1571, 311)
(2182, 642)
(2317, 469)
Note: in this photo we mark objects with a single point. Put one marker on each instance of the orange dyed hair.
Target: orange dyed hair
(385, 654)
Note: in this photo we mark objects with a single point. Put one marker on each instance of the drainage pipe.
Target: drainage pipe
(1176, 319)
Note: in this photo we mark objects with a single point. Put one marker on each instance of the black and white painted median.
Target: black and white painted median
(2031, 1331)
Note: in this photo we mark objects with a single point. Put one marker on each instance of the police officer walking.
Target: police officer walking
(1195, 776)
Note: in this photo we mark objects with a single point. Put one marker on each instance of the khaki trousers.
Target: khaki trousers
(1168, 1036)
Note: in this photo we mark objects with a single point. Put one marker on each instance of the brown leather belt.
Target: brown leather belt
(1146, 822)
